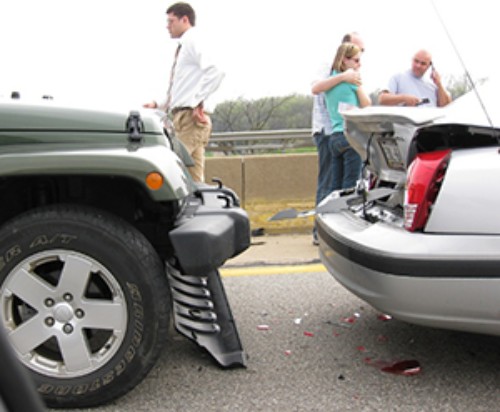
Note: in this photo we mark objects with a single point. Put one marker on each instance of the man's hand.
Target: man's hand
(150, 105)
(410, 100)
(435, 77)
(199, 115)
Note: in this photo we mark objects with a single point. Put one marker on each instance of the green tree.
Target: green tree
(458, 85)
(268, 113)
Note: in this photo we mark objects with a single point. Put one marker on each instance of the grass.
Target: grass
(260, 212)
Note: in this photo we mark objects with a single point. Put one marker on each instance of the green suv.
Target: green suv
(103, 235)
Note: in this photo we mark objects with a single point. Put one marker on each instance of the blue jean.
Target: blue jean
(325, 162)
(346, 162)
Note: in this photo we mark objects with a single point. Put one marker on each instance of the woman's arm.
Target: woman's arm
(364, 99)
(349, 76)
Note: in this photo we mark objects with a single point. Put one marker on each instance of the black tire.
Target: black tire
(85, 302)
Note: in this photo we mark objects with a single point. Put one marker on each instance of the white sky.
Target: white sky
(119, 51)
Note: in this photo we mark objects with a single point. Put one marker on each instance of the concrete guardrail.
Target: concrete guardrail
(267, 184)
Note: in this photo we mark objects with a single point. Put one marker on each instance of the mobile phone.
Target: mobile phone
(425, 100)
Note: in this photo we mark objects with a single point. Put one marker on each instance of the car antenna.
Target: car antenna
(467, 74)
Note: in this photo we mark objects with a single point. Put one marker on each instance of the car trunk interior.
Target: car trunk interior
(441, 137)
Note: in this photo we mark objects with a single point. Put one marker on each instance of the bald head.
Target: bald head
(422, 60)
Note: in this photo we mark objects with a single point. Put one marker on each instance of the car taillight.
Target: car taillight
(423, 182)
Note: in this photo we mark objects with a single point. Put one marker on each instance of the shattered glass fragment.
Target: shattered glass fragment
(297, 321)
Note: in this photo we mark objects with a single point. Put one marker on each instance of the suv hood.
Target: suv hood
(48, 116)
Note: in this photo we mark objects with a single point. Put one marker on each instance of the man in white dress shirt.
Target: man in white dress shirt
(193, 79)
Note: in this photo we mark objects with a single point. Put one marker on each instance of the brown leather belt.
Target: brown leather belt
(176, 110)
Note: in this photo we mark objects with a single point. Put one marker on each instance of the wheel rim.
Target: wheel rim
(64, 312)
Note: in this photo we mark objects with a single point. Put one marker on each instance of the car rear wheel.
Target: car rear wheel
(85, 303)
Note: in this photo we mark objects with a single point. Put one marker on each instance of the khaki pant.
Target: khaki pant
(195, 137)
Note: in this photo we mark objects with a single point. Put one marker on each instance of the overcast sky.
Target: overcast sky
(119, 51)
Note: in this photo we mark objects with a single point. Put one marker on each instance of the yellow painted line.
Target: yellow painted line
(272, 270)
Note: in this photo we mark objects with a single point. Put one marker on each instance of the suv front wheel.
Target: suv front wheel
(85, 302)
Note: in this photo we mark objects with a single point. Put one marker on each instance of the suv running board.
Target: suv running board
(202, 314)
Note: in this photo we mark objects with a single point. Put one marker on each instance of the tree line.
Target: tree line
(289, 112)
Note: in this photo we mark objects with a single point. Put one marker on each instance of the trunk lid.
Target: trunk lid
(387, 138)
(382, 136)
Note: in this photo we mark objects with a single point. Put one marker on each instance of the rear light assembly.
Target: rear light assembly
(424, 179)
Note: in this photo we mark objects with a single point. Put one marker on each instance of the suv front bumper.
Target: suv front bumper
(212, 229)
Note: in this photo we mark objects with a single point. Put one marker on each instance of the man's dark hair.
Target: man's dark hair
(183, 9)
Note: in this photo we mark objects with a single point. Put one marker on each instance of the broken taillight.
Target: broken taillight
(423, 182)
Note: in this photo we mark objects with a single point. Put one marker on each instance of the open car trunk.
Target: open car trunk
(388, 138)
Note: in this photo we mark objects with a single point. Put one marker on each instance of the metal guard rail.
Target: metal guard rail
(259, 141)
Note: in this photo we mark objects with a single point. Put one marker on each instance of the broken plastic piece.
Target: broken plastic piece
(310, 334)
(263, 327)
(260, 231)
(384, 317)
(406, 367)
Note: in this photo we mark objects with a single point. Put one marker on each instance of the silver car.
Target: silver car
(419, 238)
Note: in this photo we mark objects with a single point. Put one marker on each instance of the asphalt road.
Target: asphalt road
(321, 349)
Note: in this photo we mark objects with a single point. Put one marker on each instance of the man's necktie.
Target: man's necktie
(169, 92)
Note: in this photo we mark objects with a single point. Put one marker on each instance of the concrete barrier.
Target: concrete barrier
(267, 184)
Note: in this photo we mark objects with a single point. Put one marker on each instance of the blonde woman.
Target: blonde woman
(346, 161)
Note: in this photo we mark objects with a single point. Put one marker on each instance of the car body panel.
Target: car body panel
(382, 125)
(49, 139)
(101, 161)
(52, 117)
(465, 203)
(445, 274)
(417, 278)
(100, 203)
(434, 302)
